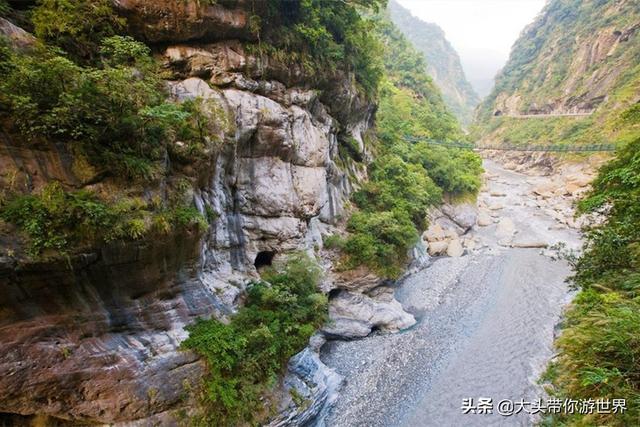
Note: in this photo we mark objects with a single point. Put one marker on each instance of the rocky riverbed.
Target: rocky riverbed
(486, 306)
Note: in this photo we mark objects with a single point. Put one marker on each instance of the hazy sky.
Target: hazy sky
(482, 31)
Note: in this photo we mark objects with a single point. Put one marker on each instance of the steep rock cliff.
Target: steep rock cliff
(94, 337)
(575, 68)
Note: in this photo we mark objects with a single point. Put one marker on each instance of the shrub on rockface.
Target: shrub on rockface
(59, 220)
(4, 7)
(600, 344)
(456, 172)
(116, 115)
(246, 356)
(397, 185)
(78, 26)
(115, 119)
(380, 240)
(392, 209)
(325, 36)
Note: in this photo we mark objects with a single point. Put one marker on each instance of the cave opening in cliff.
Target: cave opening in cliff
(264, 259)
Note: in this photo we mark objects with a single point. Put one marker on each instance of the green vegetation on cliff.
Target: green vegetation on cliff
(102, 97)
(576, 56)
(247, 356)
(116, 115)
(78, 27)
(87, 87)
(405, 178)
(600, 344)
(57, 220)
(116, 120)
(325, 36)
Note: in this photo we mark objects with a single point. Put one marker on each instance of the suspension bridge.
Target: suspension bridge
(514, 147)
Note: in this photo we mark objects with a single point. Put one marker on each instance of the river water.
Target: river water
(486, 324)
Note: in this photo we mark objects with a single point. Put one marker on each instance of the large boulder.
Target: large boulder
(434, 233)
(438, 248)
(355, 315)
(455, 248)
(464, 215)
(484, 219)
(546, 190)
(359, 279)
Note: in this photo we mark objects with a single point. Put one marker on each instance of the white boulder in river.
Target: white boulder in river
(484, 219)
(463, 214)
(505, 229)
(355, 315)
(438, 248)
(455, 248)
(434, 233)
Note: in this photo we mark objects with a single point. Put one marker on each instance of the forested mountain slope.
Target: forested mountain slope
(443, 62)
(579, 56)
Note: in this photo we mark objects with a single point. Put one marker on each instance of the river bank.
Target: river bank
(486, 320)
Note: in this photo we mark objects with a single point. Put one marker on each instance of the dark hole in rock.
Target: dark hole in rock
(264, 259)
(334, 293)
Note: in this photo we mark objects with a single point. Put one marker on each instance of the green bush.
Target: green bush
(117, 116)
(246, 356)
(397, 185)
(334, 241)
(4, 8)
(57, 220)
(124, 50)
(334, 35)
(393, 205)
(380, 240)
(54, 218)
(77, 26)
(456, 172)
(600, 344)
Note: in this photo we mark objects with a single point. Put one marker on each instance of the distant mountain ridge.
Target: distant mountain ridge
(577, 57)
(443, 62)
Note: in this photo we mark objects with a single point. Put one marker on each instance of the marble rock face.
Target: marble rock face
(101, 342)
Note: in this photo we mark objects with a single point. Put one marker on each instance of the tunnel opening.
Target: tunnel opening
(334, 293)
(264, 259)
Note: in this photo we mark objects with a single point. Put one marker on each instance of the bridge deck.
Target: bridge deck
(513, 147)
